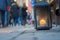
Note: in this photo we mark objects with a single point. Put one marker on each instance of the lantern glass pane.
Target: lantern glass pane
(42, 18)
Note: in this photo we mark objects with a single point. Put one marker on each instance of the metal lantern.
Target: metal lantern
(42, 14)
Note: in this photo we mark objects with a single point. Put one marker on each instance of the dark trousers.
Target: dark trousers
(23, 21)
(15, 21)
(2, 14)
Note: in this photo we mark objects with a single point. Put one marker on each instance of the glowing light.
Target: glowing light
(42, 22)
(15, 0)
(49, 1)
(27, 3)
(39, 0)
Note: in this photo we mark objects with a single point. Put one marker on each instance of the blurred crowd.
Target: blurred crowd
(12, 14)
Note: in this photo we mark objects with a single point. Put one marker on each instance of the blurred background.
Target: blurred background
(21, 12)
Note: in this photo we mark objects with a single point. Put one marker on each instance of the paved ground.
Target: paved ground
(29, 33)
(13, 28)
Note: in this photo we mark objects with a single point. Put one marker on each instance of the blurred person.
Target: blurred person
(29, 18)
(24, 14)
(0, 20)
(11, 19)
(15, 12)
(20, 16)
(4, 6)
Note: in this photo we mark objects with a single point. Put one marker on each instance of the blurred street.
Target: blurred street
(29, 33)
(29, 19)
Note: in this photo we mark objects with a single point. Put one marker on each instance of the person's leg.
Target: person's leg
(3, 18)
(8, 17)
(14, 21)
(0, 19)
(25, 20)
(19, 20)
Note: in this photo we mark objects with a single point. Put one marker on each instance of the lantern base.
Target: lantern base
(43, 28)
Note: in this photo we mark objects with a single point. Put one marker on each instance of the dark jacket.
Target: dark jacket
(24, 13)
(4, 4)
(14, 10)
